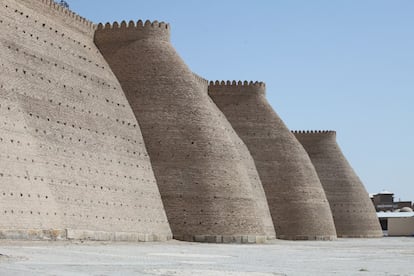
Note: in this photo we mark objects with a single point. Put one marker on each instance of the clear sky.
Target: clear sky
(339, 65)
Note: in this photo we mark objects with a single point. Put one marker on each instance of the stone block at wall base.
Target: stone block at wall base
(115, 236)
(72, 234)
(307, 238)
(237, 239)
(360, 236)
(33, 234)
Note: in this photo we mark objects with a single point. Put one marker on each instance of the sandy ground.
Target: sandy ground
(387, 256)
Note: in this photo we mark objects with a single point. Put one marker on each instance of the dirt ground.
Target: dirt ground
(386, 256)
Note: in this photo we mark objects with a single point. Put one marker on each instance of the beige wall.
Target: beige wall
(401, 226)
(71, 152)
(294, 193)
(204, 172)
(353, 212)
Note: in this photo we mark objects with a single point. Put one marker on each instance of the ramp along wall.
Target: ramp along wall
(297, 202)
(201, 175)
(352, 209)
(72, 154)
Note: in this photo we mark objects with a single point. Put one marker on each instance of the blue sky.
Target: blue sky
(340, 65)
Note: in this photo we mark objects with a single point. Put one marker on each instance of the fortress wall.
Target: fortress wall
(249, 164)
(353, 212)
(203, 83)
(297, 202)
(68, 133)
(204, 184)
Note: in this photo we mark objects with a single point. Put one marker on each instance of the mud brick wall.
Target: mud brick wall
(352, 209)
(297, 202)
(205, 187)
(71, 151)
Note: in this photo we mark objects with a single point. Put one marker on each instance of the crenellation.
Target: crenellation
(66, 13)
(53, 9)
(236, 87)
(132, 25)
(120, 33)
(237, 83)
(202, 82)
(315, 132)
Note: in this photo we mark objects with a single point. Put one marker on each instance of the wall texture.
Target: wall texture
(401, 226)
(72, 157)
(204, 184)
(249, 164)
(294, 193)
(352, 209)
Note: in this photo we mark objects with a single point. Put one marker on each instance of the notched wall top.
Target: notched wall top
(52, 8)
(236, 87)
(118, 33)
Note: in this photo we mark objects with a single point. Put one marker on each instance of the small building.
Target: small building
(383, 201)
(397, 223)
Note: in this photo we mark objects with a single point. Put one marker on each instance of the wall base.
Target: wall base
(72, 234)
(360, 236)
(224, 238)
(307, 238)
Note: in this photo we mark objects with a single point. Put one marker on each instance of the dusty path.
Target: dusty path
(387, 256)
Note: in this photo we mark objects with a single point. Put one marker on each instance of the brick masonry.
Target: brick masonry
(105, 133)
(294, 193)
(72, 154)
(352, 210)
(205, 185)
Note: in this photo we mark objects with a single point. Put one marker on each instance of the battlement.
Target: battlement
(90, 26)
(68, 13)
(236, 87)
(131, 31)
(313, 132)
(201, 81)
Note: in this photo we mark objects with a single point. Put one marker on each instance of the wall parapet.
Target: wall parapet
(68, 13)
(122, 32)
(236, 87)
(315, 135)
(201, 81)
(313, 132)
(55, 8)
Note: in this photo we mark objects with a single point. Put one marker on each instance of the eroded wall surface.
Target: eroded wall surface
(71, 151)
(297, 202)
(201, 175)
(352, 209)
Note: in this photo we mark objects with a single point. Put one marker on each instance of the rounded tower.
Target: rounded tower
(297, 202)
(249, 164)
(202, 178)
(352, 209)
